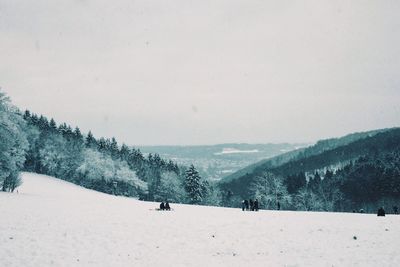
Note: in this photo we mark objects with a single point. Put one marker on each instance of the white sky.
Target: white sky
(206, 71)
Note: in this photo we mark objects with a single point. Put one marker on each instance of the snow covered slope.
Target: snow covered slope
(53, 223)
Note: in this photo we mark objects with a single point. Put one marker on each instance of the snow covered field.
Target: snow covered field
(54, 223)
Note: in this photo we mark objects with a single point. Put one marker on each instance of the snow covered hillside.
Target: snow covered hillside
(54, 223)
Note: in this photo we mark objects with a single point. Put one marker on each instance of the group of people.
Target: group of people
(381, 211)
(250, 205)
(165, 206)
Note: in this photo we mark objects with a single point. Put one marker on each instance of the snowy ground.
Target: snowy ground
(54, 223)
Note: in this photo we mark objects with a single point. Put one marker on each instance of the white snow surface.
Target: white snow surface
(235, 151)
(54, 223)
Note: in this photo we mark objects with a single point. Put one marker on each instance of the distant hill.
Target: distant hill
(301, 152)
(217, 161)
(325, 154)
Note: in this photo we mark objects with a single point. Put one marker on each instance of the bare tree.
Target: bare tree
(270, 190)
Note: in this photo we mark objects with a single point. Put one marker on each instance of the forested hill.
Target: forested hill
(97, 163)
(318, 148)
(375, 155)
(34, 143)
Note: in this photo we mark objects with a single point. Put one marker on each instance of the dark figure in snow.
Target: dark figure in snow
(255, 205)
(162, 206)
(251, 204)
(278, 206)
(246, 204)
(167, 207)
(381, 212)
(243, 205)
(361, 211)
(395, 210)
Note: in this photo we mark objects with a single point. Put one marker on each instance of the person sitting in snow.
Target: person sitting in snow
(162, 206)
(381, 212)
(167, 207)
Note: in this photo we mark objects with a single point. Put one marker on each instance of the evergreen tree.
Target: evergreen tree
(124, 153)
(90, 141)
(78, 135)
(193, 185)
(114, 151)
(295, 182)
(43, 124)
(52, 126)
(102, 145)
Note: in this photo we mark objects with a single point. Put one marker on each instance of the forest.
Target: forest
(34, 143)
(358, 171)
(361, 174)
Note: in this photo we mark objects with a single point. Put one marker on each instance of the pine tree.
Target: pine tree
(124, 152)
(53, 126)
(102, 145)
(295, 182)
(90, 141)
(193, 185)
(113, 148)
(27, 115)
(43, 123)
(78, 135)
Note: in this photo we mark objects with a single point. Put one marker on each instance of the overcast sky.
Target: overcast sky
(207, 71)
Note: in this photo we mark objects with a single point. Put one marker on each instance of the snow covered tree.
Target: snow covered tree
(100, 172)
(102, 145)
(90, 141)
(53, 154)
(193, 185)
(270, 190)
(124, 152)
(210, 194)
(96, 167)
(171, 188)
(307, 200)
(128, 183)
(114, 150)
(13, 144)
(52, 126)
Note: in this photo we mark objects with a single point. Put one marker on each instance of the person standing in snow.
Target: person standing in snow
(255, 205)
(246, 204)
(243, 205)
(278, 206)
(251, 204)
(381, 212)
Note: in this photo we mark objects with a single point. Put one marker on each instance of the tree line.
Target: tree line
(34, 143)
(364, 184)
